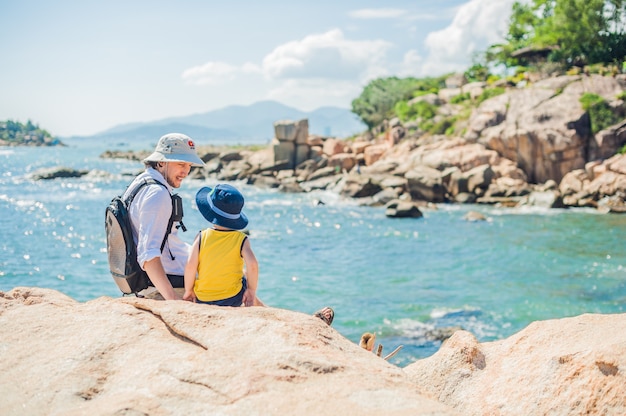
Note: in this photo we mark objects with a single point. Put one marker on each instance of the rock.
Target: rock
(126, 154)
(57, 172)
(426, 184)
(570, 366)
(343, 161)
(432, 99)
(441, 333)
(374, 153)
(607, 142)
(465, 198)
(358, 186)
(403, 209)
(333, 146)
(385, 196)
(525, 140)
(474, 216)
(543, 199)
(544, 128)
(292, 131)
(137, 356)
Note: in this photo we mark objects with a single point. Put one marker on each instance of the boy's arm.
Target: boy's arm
(252, 273)
(191, 269)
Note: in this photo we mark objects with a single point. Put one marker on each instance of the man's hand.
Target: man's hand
(248, 297)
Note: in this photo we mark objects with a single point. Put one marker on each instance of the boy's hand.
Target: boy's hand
(189, 296)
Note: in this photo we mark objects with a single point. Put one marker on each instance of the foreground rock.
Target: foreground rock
(138, 356)
(572, 366)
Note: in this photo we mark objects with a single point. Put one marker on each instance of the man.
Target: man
(151, 209)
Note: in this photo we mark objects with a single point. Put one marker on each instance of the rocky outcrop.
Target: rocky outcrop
(56, 172)
(142, 356)
(527, 146)
(570, 366)
(544, 129)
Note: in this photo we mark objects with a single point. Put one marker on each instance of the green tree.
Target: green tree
(579, 32)
(378, 99)
(17, 133)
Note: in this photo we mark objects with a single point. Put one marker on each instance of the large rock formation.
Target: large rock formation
(544, 129)
(144, 357)
(571, 366)
(514, 148)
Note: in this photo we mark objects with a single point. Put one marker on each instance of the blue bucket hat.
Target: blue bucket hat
(222, 206)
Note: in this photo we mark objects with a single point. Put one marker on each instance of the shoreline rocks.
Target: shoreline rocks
(528, 146)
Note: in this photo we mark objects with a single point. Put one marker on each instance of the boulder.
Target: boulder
(569, 366)
(333, 146)
(374, 153)
(56, 172)
(402, 209)
(136, 356)
(426, 184)
(285, 130)
(543, 199)
(544, 128)
(358, 186)
(284, 151)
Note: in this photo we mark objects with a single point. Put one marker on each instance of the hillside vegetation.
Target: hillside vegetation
(545, 38)
(13, 133)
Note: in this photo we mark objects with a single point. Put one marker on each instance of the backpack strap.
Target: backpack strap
(133, 193)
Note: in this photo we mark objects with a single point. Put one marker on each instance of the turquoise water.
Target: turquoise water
(398, 278)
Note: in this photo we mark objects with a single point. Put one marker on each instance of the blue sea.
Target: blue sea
(397, 278)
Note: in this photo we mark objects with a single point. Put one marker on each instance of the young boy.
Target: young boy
(221, 252)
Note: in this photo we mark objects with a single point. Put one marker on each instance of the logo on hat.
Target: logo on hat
(191, 145)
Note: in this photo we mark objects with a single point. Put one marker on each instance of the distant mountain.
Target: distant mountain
(239, 124)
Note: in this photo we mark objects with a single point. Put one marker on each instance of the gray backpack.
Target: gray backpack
(121, 248)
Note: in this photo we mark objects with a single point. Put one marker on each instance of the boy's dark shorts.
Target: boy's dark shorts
(236, 300)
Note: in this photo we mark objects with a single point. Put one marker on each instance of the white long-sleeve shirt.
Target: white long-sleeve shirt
(150, 212)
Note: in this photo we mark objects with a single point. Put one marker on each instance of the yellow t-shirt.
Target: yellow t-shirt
(220, 265)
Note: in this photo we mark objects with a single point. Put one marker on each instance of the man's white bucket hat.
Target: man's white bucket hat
(175, 147)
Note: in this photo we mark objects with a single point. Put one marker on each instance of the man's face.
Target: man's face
(175, 172)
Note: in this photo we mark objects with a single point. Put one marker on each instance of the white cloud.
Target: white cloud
(318, 69)
(321, 68)
(477, 24)
(212, 73)
(376, 13)
(411, 64)
(327, 55)
(307, 94)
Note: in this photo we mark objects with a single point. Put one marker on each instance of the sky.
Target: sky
(81, 67)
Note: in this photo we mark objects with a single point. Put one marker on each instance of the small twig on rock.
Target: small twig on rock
(379, 352)
(394, 352)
